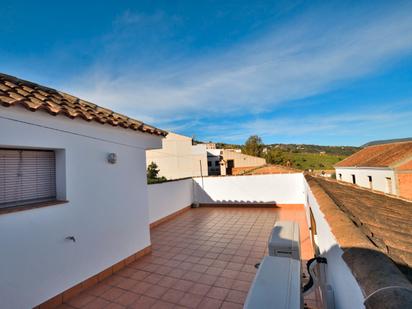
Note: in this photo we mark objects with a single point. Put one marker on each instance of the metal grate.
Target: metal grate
(26, 176)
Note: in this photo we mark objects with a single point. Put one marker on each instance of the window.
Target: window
(217, 163)
(340, 176)
(389, 185)
(26, 176)
(370, 182)
(209, 163)
(353, 179)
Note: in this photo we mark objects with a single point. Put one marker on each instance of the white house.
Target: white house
(385, 167)
(179, 158)
(73, 192)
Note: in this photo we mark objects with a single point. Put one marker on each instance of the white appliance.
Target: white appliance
(284, 240)
(277, 284)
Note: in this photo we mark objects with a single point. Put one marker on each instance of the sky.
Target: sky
(307, 72)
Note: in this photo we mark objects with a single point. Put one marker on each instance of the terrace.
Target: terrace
(202, 258)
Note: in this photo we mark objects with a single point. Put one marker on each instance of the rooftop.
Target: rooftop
(384, 155)
(203, 258)
(15, 91)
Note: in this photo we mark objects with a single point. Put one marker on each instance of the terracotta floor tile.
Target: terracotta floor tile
(224, 282)
(199, 289)
(190, 300)
(144, 302)
(167, 282)
(127, 298)
(243, 286)
(98, 289)
(153, 278)
(199, 268)
(173, 296)
(97, 303)
(229, 305)
(81, 300)
(141, 287)
(207, 279)
(114, 306)
(210, 303)
(218, 293)
(160, 304)
(126, 283)
(155, 291)
(182, 285)
(227, 273)
(139, 275)
(177, 273)
(112, 293)
(236, 296)
(194, 255)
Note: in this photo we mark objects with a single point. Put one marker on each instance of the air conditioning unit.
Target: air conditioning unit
(277, 284)
(284, 241)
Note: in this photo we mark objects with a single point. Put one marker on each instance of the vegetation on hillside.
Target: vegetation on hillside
(299, 156)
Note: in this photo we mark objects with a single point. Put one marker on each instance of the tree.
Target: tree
(276, 156)
(152, 174)
(152, 171)
(253, 146)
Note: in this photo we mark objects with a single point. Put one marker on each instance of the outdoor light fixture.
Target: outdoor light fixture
(112, 158)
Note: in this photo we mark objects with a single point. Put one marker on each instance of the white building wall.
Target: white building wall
(379, 175)
(347, 293)
(169, 197)
(178, 158)
(276, 188)
(107, 208)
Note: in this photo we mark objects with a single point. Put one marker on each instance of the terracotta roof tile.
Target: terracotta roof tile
(34, 97)
(376, 250)
(384, 155)
(385, 221)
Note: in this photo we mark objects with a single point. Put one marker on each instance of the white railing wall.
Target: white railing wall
(277, 188)
(347, 293)
(169, 197)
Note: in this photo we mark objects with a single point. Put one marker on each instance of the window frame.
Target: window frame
(59, 182)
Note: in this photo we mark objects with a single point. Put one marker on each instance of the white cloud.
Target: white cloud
(305, 57)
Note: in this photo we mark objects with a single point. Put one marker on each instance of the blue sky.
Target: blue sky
(330, 73)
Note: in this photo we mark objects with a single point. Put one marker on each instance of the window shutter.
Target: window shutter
(26, 176)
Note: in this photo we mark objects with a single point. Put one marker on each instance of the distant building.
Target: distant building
(210, 145)
(179, 158)
(386, 168)
(226, 161)
(213, 161)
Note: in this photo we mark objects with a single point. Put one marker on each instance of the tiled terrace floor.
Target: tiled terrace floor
(203, 258)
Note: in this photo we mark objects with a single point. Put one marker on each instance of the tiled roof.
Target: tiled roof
(384, 155)
(373, 231)
(385, 221)
(265, 169)
(34, 97)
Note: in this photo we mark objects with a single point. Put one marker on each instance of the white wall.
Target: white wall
(279, 188)
(379, 175)
(347, 292)
(107, 210)
(168, 197)
(178, 158)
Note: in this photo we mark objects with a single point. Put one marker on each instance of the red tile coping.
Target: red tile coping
(169, 217)
(86, 284)
(245, 205)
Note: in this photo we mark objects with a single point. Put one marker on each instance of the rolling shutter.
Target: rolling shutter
(26, 176)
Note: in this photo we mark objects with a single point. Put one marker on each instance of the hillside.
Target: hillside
(302, 156)
(314, 161)
(303, 148)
